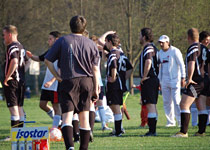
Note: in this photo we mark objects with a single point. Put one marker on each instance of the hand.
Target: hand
(190, 81)
(183, 83)
(6, 80)
(143, 79)
(59, 79)
(110, 79)
(48, 84)
(29, 54)
(95, 95)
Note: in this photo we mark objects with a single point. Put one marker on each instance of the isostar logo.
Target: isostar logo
(30, 132)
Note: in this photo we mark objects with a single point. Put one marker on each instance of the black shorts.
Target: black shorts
(47, 95)
(149, 91)
(195, 90)
(114, 97)
(11, 93)
(101, 94)
(76, 94)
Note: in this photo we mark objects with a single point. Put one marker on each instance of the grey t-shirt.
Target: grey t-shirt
(76, 56)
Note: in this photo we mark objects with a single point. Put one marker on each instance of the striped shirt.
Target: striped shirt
(194, 54)
(13, 51)
(149, 52)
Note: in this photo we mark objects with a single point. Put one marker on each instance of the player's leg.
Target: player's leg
(194, 114)
(75, 123)
(56, 107)
(117, 119)
(152, 119)
(185, 104)
(202, 115)
(15, 118)
(84, 129)
(43, 104)
(92, 118)
(57, 116)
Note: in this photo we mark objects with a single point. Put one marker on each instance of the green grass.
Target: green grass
(131, 140)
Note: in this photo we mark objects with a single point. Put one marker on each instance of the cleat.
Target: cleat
(180, 134)
(150, 134)
(106, 129)
(6, 139)
(199, 134)
(170, 125)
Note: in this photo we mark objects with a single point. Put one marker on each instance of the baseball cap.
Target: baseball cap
(163, 38)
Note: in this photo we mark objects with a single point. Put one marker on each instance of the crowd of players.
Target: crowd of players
(73, 81)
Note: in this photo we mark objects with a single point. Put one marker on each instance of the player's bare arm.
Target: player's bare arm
(191, 68)
(96, 81)
(113, 75)
(12, 67)
(33, 57)
(147, 67)
(52, 70)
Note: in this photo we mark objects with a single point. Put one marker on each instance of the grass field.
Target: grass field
(131, 140)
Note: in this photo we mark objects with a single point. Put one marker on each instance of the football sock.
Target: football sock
(102, 115)
(118, 123)
(21, 122)
(56, 120)
(84, 139)
(202, 117)
(51, 113)
(67, 132)
(92, 119)
(152, 121)
(185, 119)
(75, 124)
(15, 121)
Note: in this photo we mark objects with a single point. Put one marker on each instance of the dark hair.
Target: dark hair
(78, 24)
(203, 35)
(56, 34)
(114, 38)
(193, 34)
(147, 32)
(11, 29)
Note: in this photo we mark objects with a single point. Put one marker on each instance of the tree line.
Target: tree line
(36, 18)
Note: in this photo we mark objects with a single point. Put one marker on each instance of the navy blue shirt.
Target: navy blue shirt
(76, 56)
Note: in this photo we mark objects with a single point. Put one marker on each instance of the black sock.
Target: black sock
(117, 125)
(67, 132)
(14, 123)
(75, 124)
(21, 123)
(202, 123)
(152, 124)
(92, 119)
(185, 119)
(84, 139)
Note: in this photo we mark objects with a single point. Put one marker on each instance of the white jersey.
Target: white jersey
(48, 77)
(100, 79)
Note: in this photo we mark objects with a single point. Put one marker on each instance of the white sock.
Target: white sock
(56, 120)
(194, 116)
(51, 113)
(102, 115)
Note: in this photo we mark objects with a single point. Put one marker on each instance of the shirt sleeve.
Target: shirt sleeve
(41, 57)
(54, 52)
(128, 65)
(149, 54)
(192, 57)
(14, 53)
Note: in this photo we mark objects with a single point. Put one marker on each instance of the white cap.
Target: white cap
(163, 38)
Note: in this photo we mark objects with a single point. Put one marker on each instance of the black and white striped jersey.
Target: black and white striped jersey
(149, 52)
(205, 57)
(194, 53)
(117, 59)
(16, 50)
